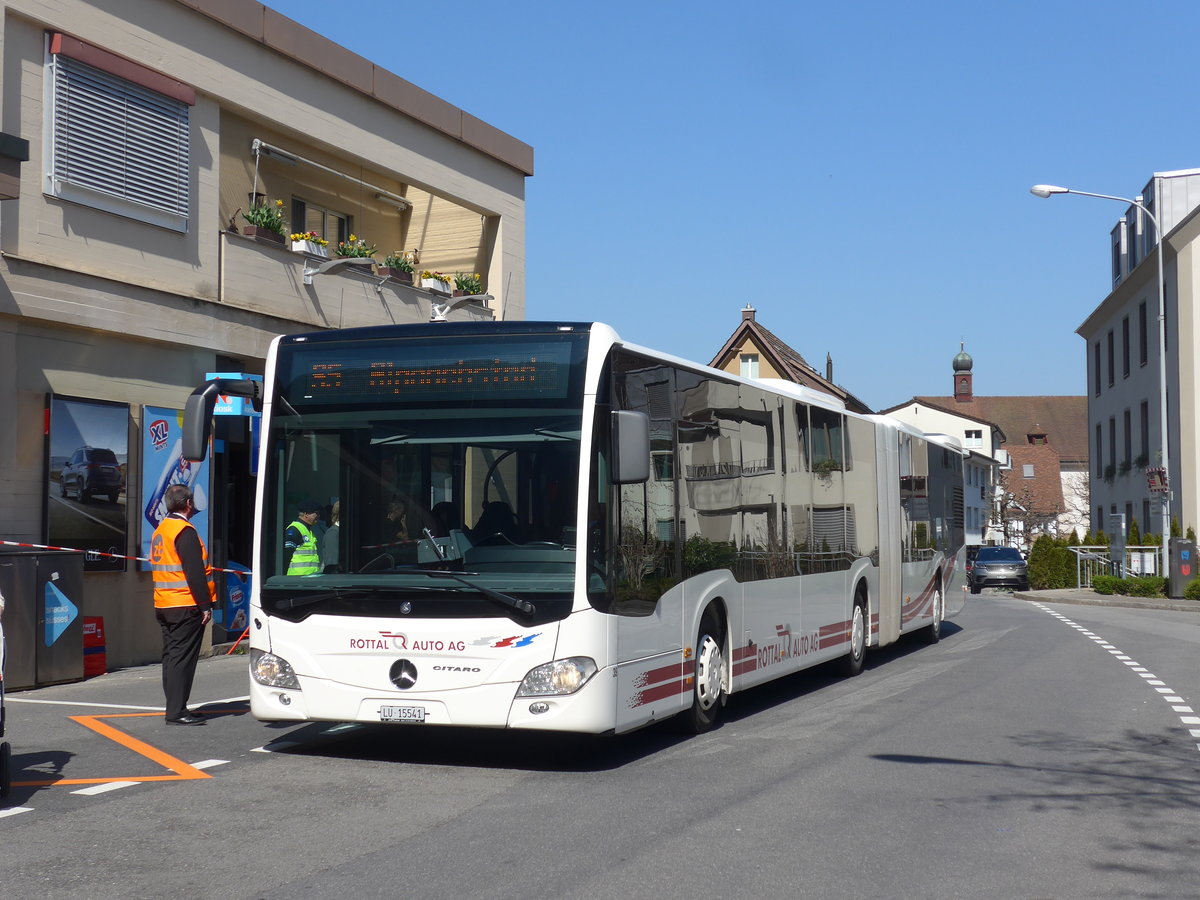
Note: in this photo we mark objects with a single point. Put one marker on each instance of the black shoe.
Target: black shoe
(186, 720)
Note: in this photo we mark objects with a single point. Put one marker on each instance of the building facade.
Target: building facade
(128, 271)
(1030, 453)
(1123, 362)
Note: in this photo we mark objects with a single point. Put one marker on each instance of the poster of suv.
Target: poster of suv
(86, 477)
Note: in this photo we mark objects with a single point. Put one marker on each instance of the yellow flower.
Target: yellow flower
(353, 239)
(279, 203)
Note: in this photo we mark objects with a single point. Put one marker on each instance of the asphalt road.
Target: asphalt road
(1038, 751)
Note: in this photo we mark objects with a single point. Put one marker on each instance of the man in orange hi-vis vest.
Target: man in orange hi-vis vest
(184, 597)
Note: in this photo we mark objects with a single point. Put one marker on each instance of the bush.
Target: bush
(1142, 586)
(1192, 591)
(1051, 564)
(1146, 586)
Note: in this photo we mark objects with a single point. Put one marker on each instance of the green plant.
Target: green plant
(825, 466)
(469, 284)
(1107, 584)
(1110, 472)
(399, 261)
(1126, 465)
(1146, 586)
(355, 248)
(1192, 591)
(266, 215)
(436, 276)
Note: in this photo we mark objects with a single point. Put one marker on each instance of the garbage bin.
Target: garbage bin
(43, 628)
(1182, 561)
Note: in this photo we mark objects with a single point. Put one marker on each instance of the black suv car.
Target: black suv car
(998, 567)
(91, 470)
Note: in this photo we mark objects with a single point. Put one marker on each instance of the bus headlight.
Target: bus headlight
(271, 670)
(563, 676)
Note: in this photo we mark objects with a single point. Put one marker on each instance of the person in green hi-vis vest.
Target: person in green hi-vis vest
(300, 553)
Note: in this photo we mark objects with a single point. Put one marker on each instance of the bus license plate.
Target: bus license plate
(401, 714)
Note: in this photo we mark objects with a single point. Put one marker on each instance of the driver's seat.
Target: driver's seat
(497, 518)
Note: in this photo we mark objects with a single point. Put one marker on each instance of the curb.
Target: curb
(1082, 597)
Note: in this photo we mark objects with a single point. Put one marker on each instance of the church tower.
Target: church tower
(963, 391)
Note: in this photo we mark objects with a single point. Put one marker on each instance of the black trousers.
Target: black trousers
(182, 633)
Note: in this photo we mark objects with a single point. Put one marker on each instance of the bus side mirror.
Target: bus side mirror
(631, 447)
(198, 411)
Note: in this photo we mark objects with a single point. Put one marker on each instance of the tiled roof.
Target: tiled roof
(788, 362)
(1063, 420)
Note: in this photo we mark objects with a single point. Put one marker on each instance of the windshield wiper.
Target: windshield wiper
(320, 596)
(521, 606)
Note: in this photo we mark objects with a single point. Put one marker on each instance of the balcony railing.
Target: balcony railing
(269, 279)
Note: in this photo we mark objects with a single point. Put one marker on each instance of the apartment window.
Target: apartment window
(1027, 470)
(1143, 345)
(1144, 425)
(1112, 361)
(749, 365)
(1125, 347)
(118, 143)
(974, 438)
(1099, 451)
(1037, 439)
(1127, 459)
(1146, 517)
(331, 225)
(1112, 440)
(1096, 367)
(1099, 523)
(1116, 255)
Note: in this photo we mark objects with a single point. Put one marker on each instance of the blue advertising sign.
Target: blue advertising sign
(233, 406)
(59, 613)
(164, 465)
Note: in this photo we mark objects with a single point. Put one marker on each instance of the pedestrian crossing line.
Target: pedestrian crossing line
(15, 811)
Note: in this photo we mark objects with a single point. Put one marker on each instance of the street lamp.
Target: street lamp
(1049, 190)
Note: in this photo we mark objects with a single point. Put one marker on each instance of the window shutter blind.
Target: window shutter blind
(119, 139)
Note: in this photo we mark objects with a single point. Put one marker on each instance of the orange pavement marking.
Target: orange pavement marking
(183, 771)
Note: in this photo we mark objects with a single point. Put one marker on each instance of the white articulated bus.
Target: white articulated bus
(542, 526)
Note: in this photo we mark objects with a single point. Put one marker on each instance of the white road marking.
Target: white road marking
(16, 810)
(209, 763)
(1149, 677)
(106, 787)
(11, 699)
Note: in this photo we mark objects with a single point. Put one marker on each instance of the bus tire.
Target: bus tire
(932, 633)
(852, 662)
(708, 685)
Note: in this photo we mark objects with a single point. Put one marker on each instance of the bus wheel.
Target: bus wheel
(932, 633)
(710, 678)
(852, 662)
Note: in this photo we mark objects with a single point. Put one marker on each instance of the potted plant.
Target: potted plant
(311, 243)
(397, 265)
(436, 281)
(355, 247)
(266, 221)
(467, 285)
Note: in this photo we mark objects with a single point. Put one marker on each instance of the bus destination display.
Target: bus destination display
(511, 378)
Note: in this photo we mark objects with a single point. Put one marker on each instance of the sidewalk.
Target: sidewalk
(1088, 597)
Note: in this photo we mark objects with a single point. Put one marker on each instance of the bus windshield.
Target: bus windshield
(391, 462)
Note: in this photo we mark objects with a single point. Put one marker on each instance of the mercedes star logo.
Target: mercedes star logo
(403, 674)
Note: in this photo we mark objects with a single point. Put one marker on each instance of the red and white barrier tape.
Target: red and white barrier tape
(95, 553)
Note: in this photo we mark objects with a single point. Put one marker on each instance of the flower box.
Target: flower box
(265, 235)
(435, 284)
(310, 248)
(396, 274)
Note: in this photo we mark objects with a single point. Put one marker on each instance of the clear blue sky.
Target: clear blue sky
(859, 172)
